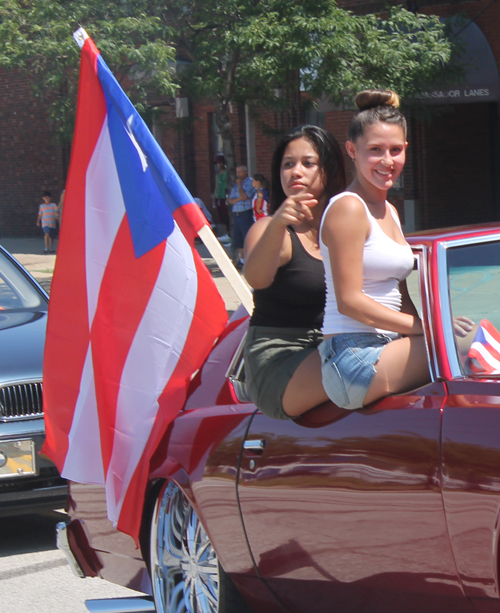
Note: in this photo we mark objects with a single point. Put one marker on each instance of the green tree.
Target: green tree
(37, 37)
(232, 51)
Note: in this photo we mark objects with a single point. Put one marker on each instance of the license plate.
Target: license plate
(17, 459)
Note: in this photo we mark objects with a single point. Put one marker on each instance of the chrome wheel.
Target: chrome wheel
(184, 565)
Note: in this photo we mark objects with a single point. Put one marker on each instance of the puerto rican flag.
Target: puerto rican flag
(133, 312)
(484, 352)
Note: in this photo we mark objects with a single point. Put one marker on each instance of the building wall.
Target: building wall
(452, 171)
(199, 172)
(457, 151)
(30, 158)
(451, 176)
(456, 175)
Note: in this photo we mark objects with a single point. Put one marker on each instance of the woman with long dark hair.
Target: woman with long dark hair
(283, 264)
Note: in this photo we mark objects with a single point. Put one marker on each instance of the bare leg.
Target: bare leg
(305, 389)
(402, 366)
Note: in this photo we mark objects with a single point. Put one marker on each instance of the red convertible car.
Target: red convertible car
(394, 507)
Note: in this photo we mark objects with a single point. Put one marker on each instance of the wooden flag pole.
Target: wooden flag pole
(227, 267)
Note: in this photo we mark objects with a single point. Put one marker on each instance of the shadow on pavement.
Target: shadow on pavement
(29, 533)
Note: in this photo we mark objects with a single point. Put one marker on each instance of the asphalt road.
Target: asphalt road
(35, 576)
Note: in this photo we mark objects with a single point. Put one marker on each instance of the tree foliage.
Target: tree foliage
(37, 37)
(228, 50)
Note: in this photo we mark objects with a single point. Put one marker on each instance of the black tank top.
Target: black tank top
(296, 297)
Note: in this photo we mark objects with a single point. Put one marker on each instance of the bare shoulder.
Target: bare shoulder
(345, 220)
(348, 207)
(258, 228)
(256, 232)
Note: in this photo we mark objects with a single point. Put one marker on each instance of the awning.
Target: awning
(481, 82)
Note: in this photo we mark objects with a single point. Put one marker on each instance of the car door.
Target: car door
(343, 509)
(471, 485)
(469, 285)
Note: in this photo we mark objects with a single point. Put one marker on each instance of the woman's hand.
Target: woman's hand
(462, 325)
(295, 209)
(268, 245)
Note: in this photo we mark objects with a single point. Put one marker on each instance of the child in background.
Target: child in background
(260, 202)
(47, 215)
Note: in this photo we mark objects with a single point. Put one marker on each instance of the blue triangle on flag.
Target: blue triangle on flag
(150, 220)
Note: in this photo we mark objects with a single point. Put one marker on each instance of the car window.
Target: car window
(236, 373)
(16, 291)
(474, 290)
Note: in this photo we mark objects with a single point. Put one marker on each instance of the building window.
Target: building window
(315, 118)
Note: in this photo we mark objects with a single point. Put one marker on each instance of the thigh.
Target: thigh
(402, 366)
(305, 389)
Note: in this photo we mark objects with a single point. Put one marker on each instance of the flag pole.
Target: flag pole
(208, 238)
(227, 267)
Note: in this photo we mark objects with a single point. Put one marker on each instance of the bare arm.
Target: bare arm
(268, 245)
(259, 200)
(345, 229)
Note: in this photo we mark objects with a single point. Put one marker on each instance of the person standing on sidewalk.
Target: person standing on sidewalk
(221, 191)
(240, 200)
(47, 216)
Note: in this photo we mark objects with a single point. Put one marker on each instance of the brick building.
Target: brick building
(451, 177)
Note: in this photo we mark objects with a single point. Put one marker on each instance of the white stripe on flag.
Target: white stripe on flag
(480, 348)
(104, 212)
(83, 461)
(153, 357)
(491, 340)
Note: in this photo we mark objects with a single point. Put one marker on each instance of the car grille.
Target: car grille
(21, 401)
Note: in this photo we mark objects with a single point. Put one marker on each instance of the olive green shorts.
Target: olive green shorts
(272, 355)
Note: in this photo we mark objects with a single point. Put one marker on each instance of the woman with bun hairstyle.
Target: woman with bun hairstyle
(283, 265)
(373, 339)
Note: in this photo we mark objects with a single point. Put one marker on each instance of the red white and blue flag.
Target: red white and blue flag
(133, 312)
(484, 352)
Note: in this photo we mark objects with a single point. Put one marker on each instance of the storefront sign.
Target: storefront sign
(462, 93)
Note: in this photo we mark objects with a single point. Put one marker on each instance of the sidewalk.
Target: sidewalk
(29, 252)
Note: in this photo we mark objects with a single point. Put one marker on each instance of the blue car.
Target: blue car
(28, 482)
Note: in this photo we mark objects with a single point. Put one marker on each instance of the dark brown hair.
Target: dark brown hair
(331, 161)
(375, 105)
(261, 179)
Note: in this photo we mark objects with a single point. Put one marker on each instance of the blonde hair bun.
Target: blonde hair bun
(370, 98)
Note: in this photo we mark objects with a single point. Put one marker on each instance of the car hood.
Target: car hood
(22, 339)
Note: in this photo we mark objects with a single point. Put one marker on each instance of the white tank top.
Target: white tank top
(385, 264)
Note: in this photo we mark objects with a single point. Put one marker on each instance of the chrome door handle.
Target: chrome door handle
(254, 445)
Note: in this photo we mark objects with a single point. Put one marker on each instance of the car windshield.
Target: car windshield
(474, 290)
(16, 291)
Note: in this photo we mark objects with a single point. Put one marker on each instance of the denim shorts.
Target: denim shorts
(52, 232)
(348, 366)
